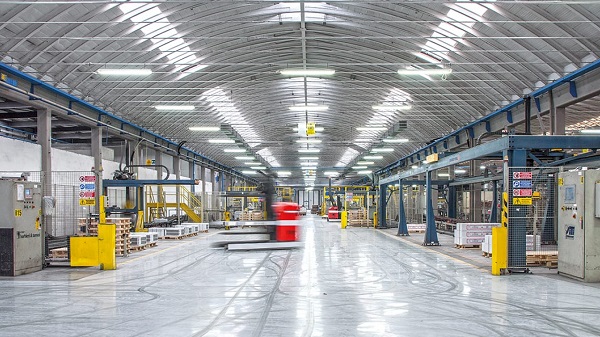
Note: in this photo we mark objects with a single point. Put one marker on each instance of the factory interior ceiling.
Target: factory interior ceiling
(371, 75)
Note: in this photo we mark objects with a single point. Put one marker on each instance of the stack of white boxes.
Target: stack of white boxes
(160, 231)
(486, 246)
(203, 227)
(190, 227)
(529, 243)
(151, 237)
(138, 239)
(472, 234)
(416, 227)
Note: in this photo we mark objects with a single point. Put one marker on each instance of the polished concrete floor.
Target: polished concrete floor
(353, 282)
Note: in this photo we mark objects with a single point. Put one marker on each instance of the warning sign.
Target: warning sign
(87, 202)
(522, 192)
(522, 175)
(522, 201)
(87, 179)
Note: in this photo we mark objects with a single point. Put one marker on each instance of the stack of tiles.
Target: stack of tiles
(472, 234)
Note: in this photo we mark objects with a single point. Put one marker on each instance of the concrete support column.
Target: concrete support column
(44, 134)
(96, 142)
(192, 171)
(476, 205)
(203, 178)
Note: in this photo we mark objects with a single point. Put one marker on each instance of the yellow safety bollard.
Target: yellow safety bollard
(499, 250)
(344, 219)
(375, 219)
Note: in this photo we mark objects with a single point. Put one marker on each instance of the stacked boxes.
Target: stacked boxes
(472, 234)
(486, 246)
(138, 239)
(251, 216)
(203, 227)
(151, 238)
(529, 242)
(358, 218)
(174, 232)
(416, 227)
(159, 231)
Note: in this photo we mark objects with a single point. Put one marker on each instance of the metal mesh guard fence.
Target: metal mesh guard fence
(532, 223)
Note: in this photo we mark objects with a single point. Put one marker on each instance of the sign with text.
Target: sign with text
(522, 192)
(522, 201)
(522, 184)
(522, 175)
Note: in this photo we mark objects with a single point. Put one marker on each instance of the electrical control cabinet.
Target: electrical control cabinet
(21, 232)
(579, 225)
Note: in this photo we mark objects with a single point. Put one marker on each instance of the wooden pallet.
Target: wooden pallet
(467, 246)
(416, 231)
(180, 237)
(137, 248)
(59, 253)
(151, 244)
(537, 258)
(486, 254)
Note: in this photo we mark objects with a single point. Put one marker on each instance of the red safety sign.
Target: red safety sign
(522, 175)
(87, 194)
(522, 192)
(87, 179)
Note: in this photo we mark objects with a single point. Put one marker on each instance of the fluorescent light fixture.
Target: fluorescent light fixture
(258, 167)
(309, 150)
(234, 150)
(590, 131)
(309, 189)
(331, 173)
(371, 128)
(482, 167)
(359, 167)
(204, 128)
(248, 172)
(441, 71)
(309, 141)
(362, 140)
(443, 174)
(307, 72)
(221, 141)
(252, 164)
(390, 107)
(395, 140)
(132, 72)
(244, 158)
(414, 167)
(284, 173)
(317, 129)
(175, 107)
(382, 150)
(309, 168)
(365, 172)
(309, 158)
(373, 157)
(309, 164)
(308, 108)
(460, 171)
(365, 162)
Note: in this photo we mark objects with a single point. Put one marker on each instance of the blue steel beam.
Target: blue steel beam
(77, 107)
(431, 238)
(402, 226)
(501, 144)
(137, 183)
(585, 79)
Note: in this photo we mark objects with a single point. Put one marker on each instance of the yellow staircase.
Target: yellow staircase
(188, 202)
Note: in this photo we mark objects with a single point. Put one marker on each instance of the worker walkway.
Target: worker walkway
(353, 282)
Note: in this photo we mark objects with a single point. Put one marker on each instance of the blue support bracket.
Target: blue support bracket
(445, 145)
(431, 238)
(488, 126)
(535, 159)
(457, 139)
(418, 156)
(434, 148)
(70, 108)
(402, 226)
(573, 88)
(381, 208)
(471, 133)
(537, 104)
(509, 116)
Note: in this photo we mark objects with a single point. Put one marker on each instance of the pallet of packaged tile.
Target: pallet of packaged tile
(59, 253)
(473, 246)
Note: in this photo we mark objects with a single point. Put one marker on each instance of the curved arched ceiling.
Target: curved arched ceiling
(224, 58)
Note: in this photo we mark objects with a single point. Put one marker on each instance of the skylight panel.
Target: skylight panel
(154, 27)
(452, 30)
(347, 157)
(460, 17)
(474, 8)
(145, 15)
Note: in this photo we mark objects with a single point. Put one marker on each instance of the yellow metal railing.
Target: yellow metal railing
(158, 203)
